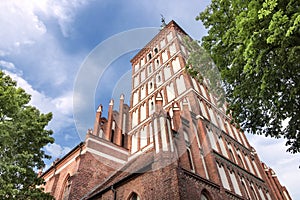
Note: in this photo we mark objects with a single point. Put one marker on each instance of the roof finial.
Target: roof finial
(163, 22)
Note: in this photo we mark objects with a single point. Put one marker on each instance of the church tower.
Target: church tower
(213, 148)
(172, 142)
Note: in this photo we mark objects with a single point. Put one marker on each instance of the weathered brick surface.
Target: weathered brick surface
(91, 172)
(159, 184)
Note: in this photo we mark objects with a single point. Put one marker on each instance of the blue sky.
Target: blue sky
(44, 44)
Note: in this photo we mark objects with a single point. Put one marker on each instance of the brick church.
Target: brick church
(171, 142)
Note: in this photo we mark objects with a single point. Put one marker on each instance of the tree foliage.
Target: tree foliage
(22, 135)
(255, 45)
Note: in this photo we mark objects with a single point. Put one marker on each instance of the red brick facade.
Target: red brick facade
(172, 142)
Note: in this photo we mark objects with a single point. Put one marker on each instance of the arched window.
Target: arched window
(149, 56)
(204, 195)
(113, 131)
(156, 63)
(149, 69)
(134, 196)
(188, 150)
(232, 156)
(253, 192)
(245, 189)
(101, 132)
(67, 188)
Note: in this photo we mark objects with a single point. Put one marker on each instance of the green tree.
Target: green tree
(22, 136)
(255, 45)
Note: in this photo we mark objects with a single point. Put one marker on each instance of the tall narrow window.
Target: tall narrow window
(223, 148)
(256, 169)
(232, 155)
(196, 134)
(203, 108)
(220, 120)
(176, 65)
(124, 123)
(180, 84)
(165, 56)
(150, 133)
(204, 163)
(261, 194)
(162, 43)
(169, 36)
(172, 49)
(113, 131)
(253, 192)
(150, 69)
(203, 91)
(223, 177)
(170, 92)
(156, 63)
(67, 188)
(235, 183)
(123, 140)
(151, 107)
(150, 86)
(241, 160)
(249, 164)
(149, 56)
(212, 116)
(188, 150)
(195, 84)
(245, 189)
(229, 131)
(212, 140)
(189, 153)
(134, 141)
(167, 72)
(143, 137)
(163, 134)
(101, 132)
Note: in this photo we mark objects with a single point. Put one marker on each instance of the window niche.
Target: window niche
(134, 196)
(149, 56)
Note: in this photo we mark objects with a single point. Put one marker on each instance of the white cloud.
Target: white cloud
(27, 38)
(20, 23)
(61, 106)
(56, 151)
(63, 11)
(7, 65)
(23, 23)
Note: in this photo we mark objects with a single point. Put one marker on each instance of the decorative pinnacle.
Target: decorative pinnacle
(111, 102)
(99, 108)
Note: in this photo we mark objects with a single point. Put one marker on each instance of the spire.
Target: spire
(163, 22)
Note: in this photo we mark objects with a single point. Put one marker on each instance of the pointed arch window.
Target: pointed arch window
(134, 196)
(113, 131)
(253, 192)
(67, 188)
(245, 189)
(188, 151)
(204, 197)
